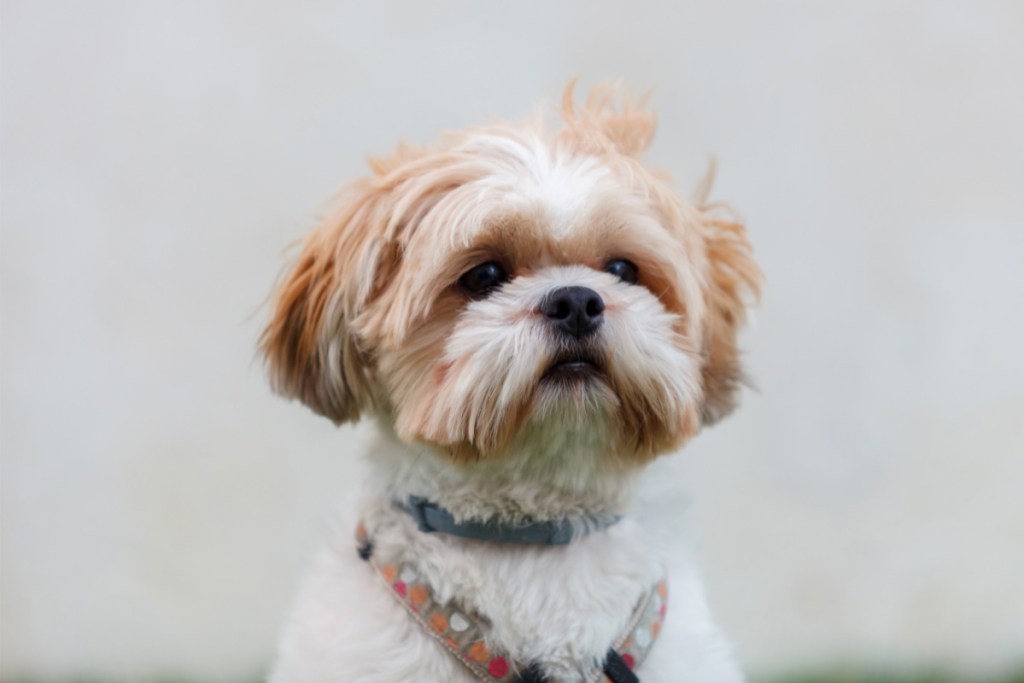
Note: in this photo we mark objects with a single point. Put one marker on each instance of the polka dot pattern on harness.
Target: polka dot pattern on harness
(646, 627)
(464, 633)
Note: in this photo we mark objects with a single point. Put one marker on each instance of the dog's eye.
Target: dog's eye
(483, 279)
(623, 269)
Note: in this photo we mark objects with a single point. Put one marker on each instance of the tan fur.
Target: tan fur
(735, 280)
(610, 122)
(307, 308)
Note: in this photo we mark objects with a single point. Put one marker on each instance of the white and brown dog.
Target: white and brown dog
(531, 318)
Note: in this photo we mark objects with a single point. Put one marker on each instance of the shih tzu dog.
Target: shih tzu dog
(531, 317)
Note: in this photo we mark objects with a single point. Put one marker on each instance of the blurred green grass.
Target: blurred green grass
(839, 676)
(861, 676)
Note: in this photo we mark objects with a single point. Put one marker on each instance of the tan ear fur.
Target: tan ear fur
(734, 280)
(310, 348)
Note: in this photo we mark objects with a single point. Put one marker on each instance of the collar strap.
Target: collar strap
(431, 517)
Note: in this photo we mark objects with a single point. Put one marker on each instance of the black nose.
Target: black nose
(576, 311)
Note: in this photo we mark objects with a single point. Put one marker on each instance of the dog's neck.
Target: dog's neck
(565, 477)
(543, 476)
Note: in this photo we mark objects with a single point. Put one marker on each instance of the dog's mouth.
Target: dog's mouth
(574, 365)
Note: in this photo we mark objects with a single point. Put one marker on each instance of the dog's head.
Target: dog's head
(508, 281)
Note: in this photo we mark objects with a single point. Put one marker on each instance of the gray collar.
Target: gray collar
(431, 517)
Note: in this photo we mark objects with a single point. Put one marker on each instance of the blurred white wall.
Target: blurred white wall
(158, 502)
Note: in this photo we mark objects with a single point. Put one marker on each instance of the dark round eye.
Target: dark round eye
(483, 279)
(623, 269)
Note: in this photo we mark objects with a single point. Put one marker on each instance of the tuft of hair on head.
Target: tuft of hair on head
(610, 120)
(733, 284)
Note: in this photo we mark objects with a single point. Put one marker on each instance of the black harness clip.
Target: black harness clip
(615, 668)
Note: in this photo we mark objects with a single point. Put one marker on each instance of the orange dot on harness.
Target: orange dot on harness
(438, 623)
(417, 594)
(479, 652)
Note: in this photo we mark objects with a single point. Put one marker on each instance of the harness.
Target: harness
(463, 633)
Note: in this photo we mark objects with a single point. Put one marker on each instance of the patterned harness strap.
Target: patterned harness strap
(462, 632)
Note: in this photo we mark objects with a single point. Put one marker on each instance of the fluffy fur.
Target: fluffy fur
(371, 319)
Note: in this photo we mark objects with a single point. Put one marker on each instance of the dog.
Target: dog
(530, 317)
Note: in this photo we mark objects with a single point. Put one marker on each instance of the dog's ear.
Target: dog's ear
(733, 280)
(311, 349)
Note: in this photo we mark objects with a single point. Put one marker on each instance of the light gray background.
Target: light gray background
(158, 502)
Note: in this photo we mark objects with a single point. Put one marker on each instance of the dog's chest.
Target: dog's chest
(559, 608)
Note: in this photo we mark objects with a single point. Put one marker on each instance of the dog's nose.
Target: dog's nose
(576, 311)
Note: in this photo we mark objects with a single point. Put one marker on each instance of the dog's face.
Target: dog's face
(507, 283)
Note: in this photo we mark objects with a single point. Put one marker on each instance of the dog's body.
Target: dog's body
(559, 606)
(530, 320)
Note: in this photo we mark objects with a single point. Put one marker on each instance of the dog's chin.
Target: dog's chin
(575, 386)
(576, 374)
(573, 368)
